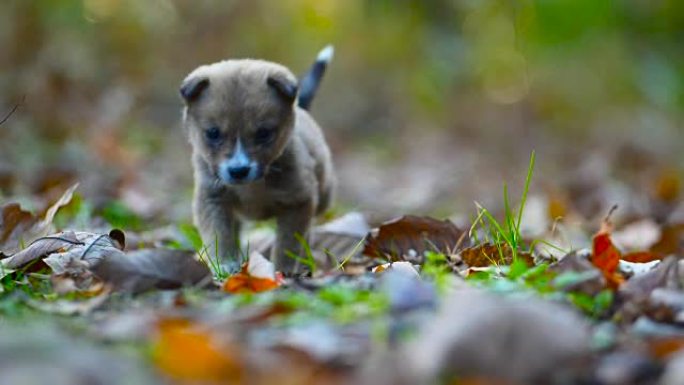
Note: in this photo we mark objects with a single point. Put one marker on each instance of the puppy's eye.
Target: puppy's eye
(264, 135)
(213, 134)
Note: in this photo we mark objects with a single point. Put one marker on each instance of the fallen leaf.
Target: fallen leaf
(41, 248)
(186, 352)
(606, 256)
(63, 200)
(79, 255)
(642, 257)
(18, 226)
(488, 254)
(13, 223)
(409, 237)
(146, 269)
(258, 274)
(668, 185)
(671, 240)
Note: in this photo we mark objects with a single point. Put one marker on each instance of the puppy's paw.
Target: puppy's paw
(289, 266)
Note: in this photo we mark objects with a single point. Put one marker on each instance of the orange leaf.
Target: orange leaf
(642, 257)
(666, 346)
(257, 275)
(241, 282)
(185, 352)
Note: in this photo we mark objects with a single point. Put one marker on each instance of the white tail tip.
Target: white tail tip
(326, 54)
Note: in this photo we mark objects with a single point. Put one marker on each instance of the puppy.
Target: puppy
(257, 154)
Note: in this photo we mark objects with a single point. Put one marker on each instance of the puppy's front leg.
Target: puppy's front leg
(219, 228)
(293, 222)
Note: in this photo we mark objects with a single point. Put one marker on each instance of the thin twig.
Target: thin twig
(14, 109)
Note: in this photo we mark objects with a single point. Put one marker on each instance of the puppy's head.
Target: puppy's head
(239, 115)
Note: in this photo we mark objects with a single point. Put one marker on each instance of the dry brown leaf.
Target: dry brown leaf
(668, 185)
(18, 226)
(411, 236)
(671, 240)
(76, 256)
(488, 254)
(41, 248)
(13, 223)
(146, 269)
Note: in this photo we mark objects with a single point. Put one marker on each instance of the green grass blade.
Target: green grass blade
(523, 199)
(495, 223)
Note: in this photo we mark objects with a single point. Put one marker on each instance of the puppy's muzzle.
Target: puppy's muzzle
(239, 168)
(239, 173)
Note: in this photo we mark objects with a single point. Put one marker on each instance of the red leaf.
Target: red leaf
(606, 256)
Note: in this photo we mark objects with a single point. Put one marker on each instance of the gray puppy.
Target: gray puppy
(257, 154)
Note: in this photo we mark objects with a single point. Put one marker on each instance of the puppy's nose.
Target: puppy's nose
(239, 173)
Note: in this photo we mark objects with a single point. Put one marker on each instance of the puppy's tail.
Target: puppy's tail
(312, 79)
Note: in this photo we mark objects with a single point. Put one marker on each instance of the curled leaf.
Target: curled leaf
(18, 226)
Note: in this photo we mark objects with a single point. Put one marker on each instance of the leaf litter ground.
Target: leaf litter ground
(513, 296)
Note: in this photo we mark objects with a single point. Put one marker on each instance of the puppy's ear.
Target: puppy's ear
(285, 88)
(192, 88)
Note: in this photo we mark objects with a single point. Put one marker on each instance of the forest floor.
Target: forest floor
(549, 287)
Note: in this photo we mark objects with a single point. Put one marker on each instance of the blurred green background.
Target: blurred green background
(428, 105)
